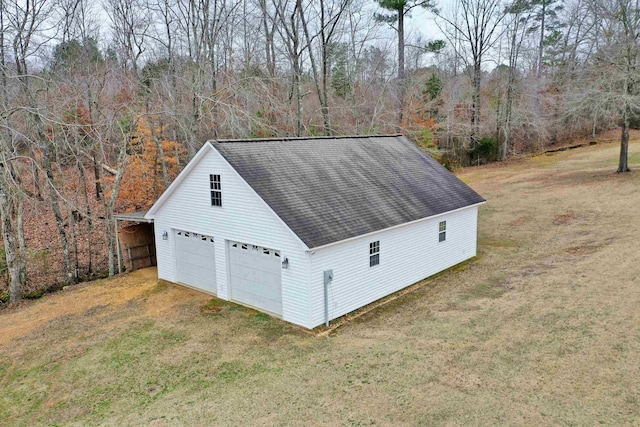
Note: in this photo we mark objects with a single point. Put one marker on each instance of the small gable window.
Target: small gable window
(374, 253)
(442, 231)
(216, 190)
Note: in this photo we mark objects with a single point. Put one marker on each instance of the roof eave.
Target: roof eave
(326, 245)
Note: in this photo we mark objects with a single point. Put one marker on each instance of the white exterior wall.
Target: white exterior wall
(408, 254)
(244, 217)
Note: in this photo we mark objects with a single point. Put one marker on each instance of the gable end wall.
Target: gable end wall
(243, 217)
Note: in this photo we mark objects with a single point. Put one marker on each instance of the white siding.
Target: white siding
(407, 254)
(243, 217)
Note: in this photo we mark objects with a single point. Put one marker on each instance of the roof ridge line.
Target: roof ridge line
(303, 138)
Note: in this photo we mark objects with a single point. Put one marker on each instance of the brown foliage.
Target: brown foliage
(143, 181)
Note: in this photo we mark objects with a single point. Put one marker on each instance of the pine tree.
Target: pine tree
(399, 10)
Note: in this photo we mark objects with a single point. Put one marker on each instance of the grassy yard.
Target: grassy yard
(543, 328)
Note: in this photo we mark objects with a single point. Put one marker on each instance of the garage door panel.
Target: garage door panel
(255, 276)
(268, 304)
(195, 260)
(255, 288)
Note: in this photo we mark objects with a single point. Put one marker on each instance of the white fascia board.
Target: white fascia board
(394, 227)
(176, 182)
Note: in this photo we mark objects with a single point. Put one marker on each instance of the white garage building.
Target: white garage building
(309, 229)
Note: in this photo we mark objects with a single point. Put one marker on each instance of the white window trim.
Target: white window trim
(374, 245)
(214, 190)
(442, 231)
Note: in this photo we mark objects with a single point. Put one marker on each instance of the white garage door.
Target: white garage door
(195, 260)
(255, 276)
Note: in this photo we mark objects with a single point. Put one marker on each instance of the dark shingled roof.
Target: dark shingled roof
(330, 189)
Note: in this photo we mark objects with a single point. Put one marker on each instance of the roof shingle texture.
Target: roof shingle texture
(331, 189)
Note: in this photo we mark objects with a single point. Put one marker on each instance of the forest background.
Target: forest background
(102, 104)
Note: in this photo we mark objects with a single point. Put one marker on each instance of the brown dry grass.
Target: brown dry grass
(542, 329)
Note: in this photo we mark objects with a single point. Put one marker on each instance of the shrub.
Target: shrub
(34, 294)
(485, 151)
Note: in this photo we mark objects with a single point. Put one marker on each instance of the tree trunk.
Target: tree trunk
(541, 42)
(475, 105)
(296, 71)
(296, 83)
(268, 39)
(499, 122)
(401, 82)
(325, 73)
(109, 205)
(623, 165)
(3, 67)
(214, 91)
(22, 243)
(506, 131)
(326, 118)
(6, 213)
(85, 195)
(36, 175)
(96, 176)
(74, 246)
(111, 242)
(55, 206)
(321, 91)
(269, 46)
(14, 266)
(193, 142)
(513, 63)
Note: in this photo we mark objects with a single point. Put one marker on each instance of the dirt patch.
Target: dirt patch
(96, 310)
(519, 221)
(214, 305)
(584, 249)
(565, 218)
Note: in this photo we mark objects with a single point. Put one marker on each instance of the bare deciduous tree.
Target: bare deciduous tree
(613, 77)
(478, 24)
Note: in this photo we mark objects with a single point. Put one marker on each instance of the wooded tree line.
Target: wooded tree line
(103, 104)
